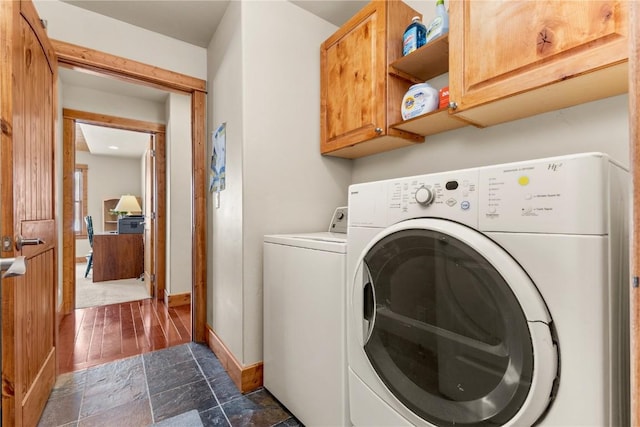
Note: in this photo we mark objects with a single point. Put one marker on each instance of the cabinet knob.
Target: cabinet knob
(453, 105)
(378, 131)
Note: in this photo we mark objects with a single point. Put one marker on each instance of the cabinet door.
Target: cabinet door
(503, 48)
(352, 81)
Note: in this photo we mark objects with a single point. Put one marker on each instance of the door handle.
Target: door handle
(21, 241)
(13, 266)
(368, 304)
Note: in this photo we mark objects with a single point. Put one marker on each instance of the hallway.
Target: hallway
(96, 335)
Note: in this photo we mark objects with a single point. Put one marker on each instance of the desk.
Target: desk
(117, 256)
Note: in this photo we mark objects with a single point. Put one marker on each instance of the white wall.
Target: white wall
(179, 194)
(100, 102)
(285, 184)
(224, 250)
(78, 26)
(109, 177)
(595, 126)
(289, 186)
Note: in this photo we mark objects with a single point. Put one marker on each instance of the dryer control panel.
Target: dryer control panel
(565, 194)
(451, 195)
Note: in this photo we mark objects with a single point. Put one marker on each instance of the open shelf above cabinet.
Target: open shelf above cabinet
(431, 123)
(427, 62)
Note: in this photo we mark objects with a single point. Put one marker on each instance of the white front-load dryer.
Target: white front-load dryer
(490, 296)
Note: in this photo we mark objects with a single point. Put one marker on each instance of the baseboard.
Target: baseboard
(81, 259)
(246, 378)
(177, 299)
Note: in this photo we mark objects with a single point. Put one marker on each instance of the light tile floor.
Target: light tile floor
(180, 386)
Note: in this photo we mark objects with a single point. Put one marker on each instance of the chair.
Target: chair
(89, 222)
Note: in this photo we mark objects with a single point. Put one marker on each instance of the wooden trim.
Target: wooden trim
(112, 121)
(68, 302)
(199, 212)
(83, 58)
(176, 300)
(634, 152)
(160, 244)
(246, 378)
(80, 259)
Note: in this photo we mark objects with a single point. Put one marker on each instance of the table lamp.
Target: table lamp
(128, 204)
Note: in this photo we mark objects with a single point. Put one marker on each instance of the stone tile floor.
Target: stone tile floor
(180, 386)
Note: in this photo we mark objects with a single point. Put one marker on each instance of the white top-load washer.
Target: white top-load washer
(304, 323)
(491, 296)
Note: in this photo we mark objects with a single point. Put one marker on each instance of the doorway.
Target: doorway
(155, 225)
(101, 63)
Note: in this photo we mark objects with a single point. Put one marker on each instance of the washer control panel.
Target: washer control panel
(339, 220)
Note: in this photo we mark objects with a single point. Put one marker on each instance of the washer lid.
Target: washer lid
(454, 327)
(323, 241)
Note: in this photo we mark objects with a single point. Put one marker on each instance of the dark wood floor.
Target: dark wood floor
(96, 335)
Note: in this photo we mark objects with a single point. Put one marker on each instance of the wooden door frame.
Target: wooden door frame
(634, 154)
(101, 63)
(70, 118)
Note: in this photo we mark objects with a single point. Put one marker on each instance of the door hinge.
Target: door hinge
(153, 153)
(153, 215)
(7, 243)
(152, 278)
(44, 23)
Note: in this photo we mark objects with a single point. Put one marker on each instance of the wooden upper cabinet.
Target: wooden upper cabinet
(513, 59)
(359, 100)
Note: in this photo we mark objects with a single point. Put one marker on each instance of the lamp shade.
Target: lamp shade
(128, 203)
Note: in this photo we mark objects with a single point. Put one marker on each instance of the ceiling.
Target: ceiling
(104, 141)
(194, 22)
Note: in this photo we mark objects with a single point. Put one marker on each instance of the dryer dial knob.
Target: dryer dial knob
(424, 196)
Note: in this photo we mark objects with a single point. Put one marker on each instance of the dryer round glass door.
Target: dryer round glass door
(453, 327)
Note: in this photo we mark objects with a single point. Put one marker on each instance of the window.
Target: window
(80, 184)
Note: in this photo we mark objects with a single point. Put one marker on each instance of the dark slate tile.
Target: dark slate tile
(291, 422)
(201, 351)
(185, 398)
(211, 366)
(214, 417)
(173, 376)
(112, 385)
(257, 409)
(69, 383)
(132, 414)
(188, 419)
(114, 370)
(224, 388)
(160, 359)
(61, 409)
